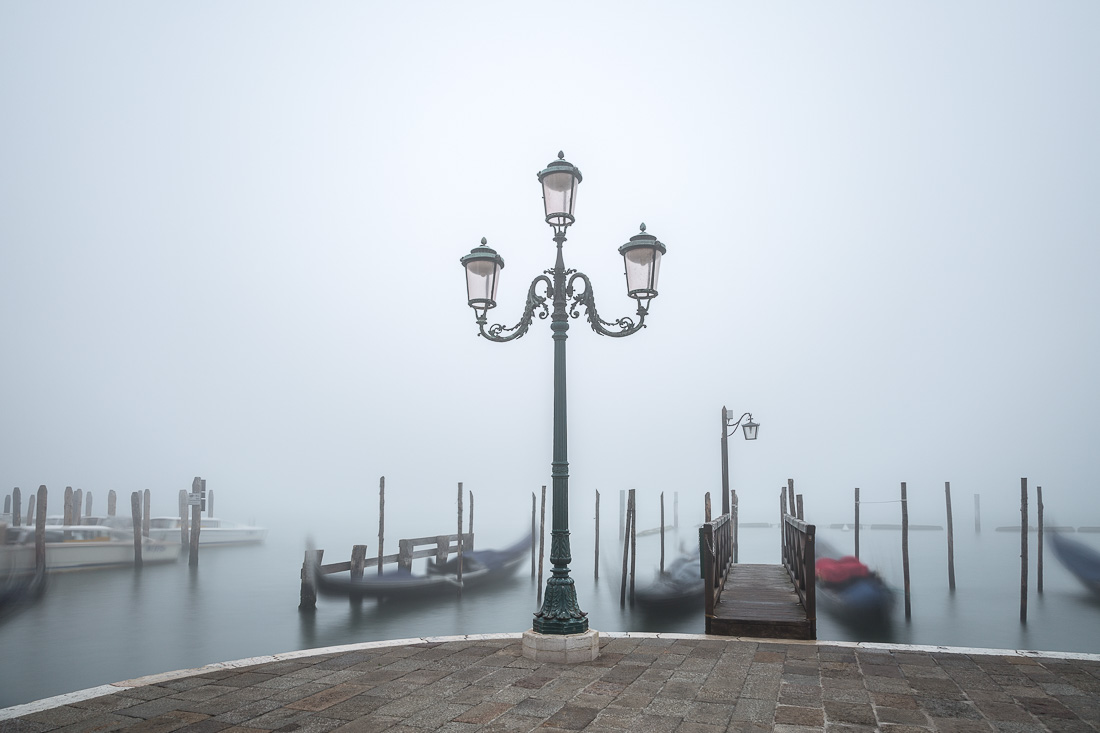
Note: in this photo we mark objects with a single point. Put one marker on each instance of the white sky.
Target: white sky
(230, 231)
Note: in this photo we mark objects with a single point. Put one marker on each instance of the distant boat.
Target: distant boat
(850, 591)
(1080, 559)
(479, 568)
(212, 531)
(89, 547)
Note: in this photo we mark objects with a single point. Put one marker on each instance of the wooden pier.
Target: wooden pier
(765, 601)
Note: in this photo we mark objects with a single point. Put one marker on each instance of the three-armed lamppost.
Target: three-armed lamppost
(567, 291)
(729, 427)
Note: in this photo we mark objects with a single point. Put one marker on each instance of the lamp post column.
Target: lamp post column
(560, 613)
(725, 464)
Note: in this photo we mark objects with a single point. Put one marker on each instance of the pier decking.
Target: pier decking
(759, 601)
(640, 682)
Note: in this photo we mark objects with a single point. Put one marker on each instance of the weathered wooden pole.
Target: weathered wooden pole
(534, 533)
(88, 504)
(542, 542)
(1039, 540)
(7, 503)
(905, 549)
(310, 565)
(16, 500)
(676, 509)
(196, 522)
(622, 514)
(359, 561)
(183, 517)
(628, 546)
(381, 519)
(977, 513)
(798, 500)
(596, 561)
(662, 533)
(78, 500)
(209, 502)
(112, 500)
(856, 528)
(733, 506)
(135, 513)
(626, 554)
(145, 512)
(470, 523)
(460, 538)
(950, 539)
(790, 494)
(1023, 550)
(30, 509)
(67, 508)
(782, 522)
(40, 532)
(633, 541)
(706, 507)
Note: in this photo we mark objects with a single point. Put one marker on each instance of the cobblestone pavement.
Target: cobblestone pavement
(640, 683)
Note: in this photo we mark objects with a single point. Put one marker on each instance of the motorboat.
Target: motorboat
(212, 531)
(86, 547)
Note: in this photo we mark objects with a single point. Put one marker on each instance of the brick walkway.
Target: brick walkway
(640, 683)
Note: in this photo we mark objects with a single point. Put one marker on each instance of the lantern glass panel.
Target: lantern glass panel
(750, 429)
(482, 276)
(558, 192)
(643, 266)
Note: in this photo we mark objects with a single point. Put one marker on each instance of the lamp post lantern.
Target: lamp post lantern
(729, 426)
(559, 294)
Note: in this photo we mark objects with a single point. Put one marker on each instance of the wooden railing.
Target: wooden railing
(799, 557)
(715, 555)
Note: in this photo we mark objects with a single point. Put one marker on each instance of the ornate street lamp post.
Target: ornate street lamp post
(567, 291)
(729, 427)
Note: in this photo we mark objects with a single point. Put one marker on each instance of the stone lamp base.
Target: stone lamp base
(565, 649)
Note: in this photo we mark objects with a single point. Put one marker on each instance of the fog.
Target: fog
(230, 238)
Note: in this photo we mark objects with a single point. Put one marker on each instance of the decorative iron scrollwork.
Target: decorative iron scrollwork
(500, 333)
(586, 298)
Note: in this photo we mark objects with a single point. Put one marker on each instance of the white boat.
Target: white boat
(86, 547)
(212, 531)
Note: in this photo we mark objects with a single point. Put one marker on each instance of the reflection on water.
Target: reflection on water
(93, 628)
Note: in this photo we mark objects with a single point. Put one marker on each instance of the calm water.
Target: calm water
(98, 627)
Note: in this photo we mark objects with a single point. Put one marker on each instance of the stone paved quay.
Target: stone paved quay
(640, 682)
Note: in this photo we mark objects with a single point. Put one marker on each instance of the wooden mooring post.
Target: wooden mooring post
(40, 532)
(460, 538)
(31, 500)
(196, 522)
(733, 508)
(135, 514)
(596, 562)
(1039, 540)
(146, 513)
(16, 507)
(67, 507)
(88, 505)
(183, 517)
(856, 527)
(1023, 550)
(112, 501)
(950, 540)
(381, 519)
(905, 550)
(629, 534)
(662, 533)
(534, 534)
(542, 544)
(308, 595)
(977, 513)
(78, 499)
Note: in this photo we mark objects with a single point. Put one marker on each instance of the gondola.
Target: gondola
(680, 587)
(1080, 559)
(850, 591)
(479, 568)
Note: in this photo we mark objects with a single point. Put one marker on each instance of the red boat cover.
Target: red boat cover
(839, 571)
